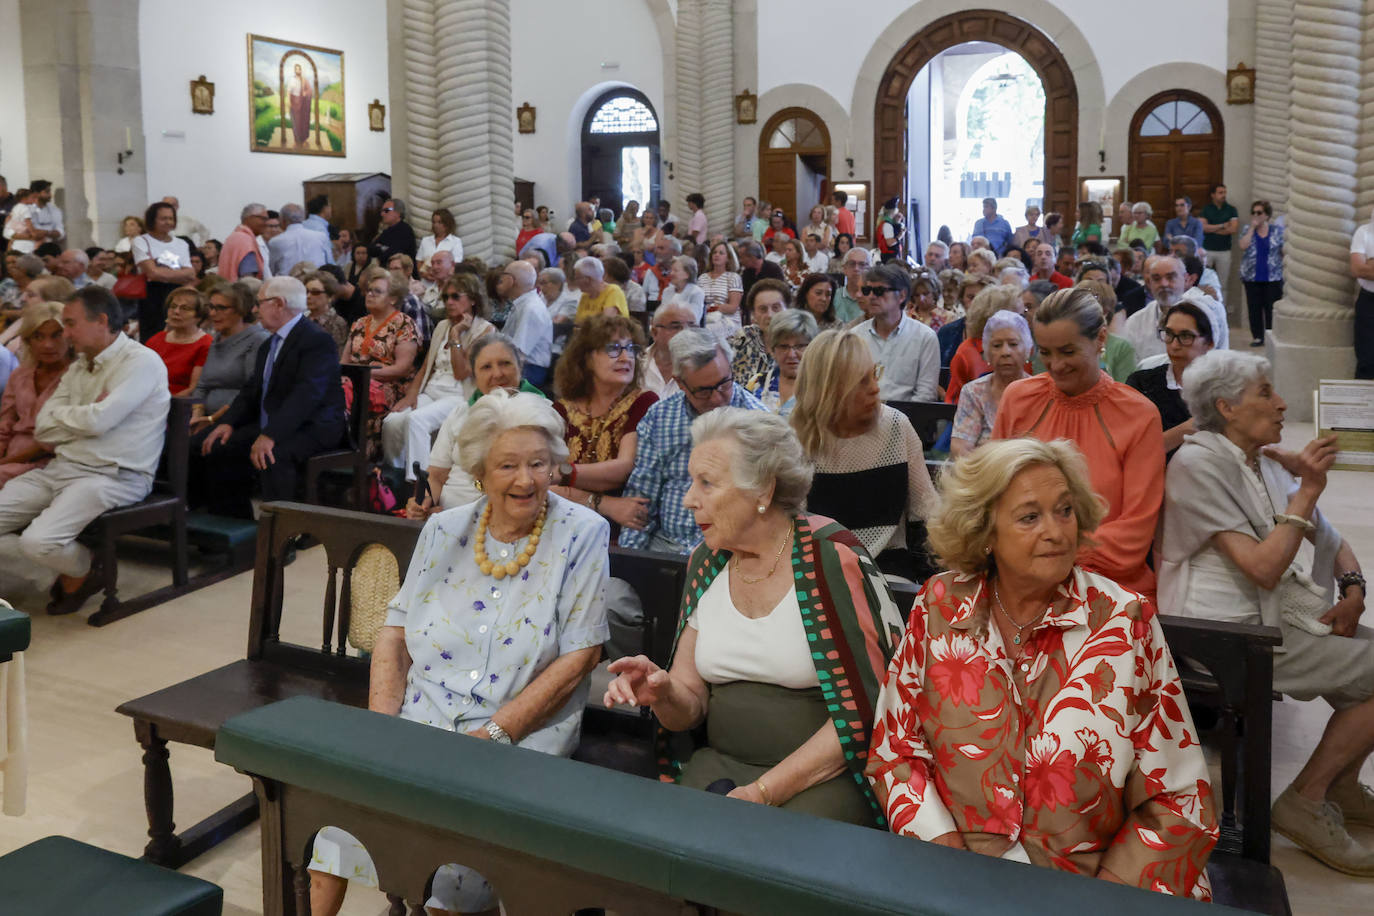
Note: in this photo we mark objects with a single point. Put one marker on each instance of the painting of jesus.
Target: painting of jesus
(297, 96)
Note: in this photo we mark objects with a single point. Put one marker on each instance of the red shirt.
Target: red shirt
(180, 358)
(844, 220)
(1056, 278)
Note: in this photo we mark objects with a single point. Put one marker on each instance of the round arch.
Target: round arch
(802, 134)
(1061, 98)
(1176, 146)
(601, 150)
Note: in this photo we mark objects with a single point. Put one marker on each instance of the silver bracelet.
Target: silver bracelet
(497, 733)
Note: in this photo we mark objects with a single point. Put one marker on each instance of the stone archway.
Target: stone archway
(1061, 100)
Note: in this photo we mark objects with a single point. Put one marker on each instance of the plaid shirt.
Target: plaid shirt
(665, 444)
(415, 310)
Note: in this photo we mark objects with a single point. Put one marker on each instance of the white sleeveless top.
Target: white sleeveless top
(766, 650)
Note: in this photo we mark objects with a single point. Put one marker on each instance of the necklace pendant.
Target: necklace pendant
(1016, 639)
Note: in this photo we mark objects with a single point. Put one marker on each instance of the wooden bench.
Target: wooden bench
(351, 458)
(555, 835)
(273, 668)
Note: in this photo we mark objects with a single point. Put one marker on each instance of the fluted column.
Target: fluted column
(1273, 96)
(1364, 153)
(459, 143)
(689, 41)
(1313, 324)
(718, 113)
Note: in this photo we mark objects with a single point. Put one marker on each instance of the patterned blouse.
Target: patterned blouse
(977, 412)
(595, 439)
(752, 362)
(1083, 751)
(1273, 251)
(381, 349)
(475, 641)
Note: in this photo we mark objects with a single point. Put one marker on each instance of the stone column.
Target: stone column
(718, 114)
(82, 95)
(689, 39)
(1314, 323)
(1273, 97)
(454, 133)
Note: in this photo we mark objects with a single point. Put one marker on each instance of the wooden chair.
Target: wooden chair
(926, 417)
(165, 505)
(352, 457)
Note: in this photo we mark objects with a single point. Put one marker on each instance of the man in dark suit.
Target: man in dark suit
(292, 409)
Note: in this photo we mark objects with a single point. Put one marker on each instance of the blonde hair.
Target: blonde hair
(832, 368)
(1105, 295)
(990, 301)
(960, 528)
(984, 256)
(36, 315)
(397, 284)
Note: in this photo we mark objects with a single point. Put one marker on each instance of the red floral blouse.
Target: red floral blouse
(1082, 750)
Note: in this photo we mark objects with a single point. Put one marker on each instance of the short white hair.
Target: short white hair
(1143, 206)
(692, 348)
(499, 412)
(1002, 320)
(766, 451)
(289, 289)
(590, 267)
(250, 210)
(1219, 375)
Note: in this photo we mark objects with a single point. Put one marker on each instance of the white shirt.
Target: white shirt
(174, 254)
(1142, 328)
(910, 357)
(690, 296)
(654, 380)
(530, 326)
(428, 246)
(772, 649)
(15, 223)
(110, 415)
(1362, 242)
(565, 306)
(817, 263)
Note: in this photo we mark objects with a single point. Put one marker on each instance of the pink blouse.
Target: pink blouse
(19, 408)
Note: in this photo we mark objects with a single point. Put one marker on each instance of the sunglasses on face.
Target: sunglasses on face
(1256, 212)
(615, 348)
(388, 209)
(875, 290)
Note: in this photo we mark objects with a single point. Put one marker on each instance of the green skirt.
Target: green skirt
(751, 727)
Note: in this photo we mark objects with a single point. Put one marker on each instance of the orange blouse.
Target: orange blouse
(1119, 433)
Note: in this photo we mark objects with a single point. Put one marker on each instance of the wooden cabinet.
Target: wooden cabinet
(357, 198)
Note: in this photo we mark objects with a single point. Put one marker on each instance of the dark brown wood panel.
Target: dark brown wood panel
(1061, 100)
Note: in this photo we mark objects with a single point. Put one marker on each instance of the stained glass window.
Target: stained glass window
(623, 115)
(1176, 115)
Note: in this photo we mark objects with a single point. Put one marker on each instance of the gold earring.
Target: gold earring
(478, 484)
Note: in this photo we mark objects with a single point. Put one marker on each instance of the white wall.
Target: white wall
(14, 149)
(1169, 30)
(209, 167)
(558, 52)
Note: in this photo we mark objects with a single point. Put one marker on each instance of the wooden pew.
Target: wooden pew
(555, 835)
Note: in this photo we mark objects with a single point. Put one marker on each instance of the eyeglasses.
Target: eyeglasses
(1184, 337)
(454, 297)
(615, 348)
(1256, 212)
(707, 390)
(378, 292)
(221, 308)
(791, 348)
(875, 290)
(181, 307)
(671, 326)
(314, 291)
(262, 302)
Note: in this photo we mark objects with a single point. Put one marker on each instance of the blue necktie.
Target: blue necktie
(266, 379)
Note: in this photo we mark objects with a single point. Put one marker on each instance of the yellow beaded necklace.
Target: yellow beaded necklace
(500, 570)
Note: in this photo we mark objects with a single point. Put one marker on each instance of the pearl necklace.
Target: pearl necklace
(499, 570)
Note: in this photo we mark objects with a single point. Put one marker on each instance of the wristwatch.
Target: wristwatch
(497, 733)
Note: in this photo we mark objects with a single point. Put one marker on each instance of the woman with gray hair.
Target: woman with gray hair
(682, 288)
(968, 362)
(1007, 344)
(497, 626)
(1038, 696)
(757, 658)
(1244, 542)
(789, 334)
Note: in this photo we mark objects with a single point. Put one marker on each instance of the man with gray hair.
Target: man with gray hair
(435, 274)
(297, 243)
(528, 324)
(396, 237)
(72, 264)
(701, 367)
(291, 409)
(1184, 246)
(1166, 282)
(243, 253)
(561, 301)
(937, 256)
(656, 280)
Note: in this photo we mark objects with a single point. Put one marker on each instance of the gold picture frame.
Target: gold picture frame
(202, 96)
(314, 86)
(376, 115)
(524, 118)
(746, 108)
(1240, 85)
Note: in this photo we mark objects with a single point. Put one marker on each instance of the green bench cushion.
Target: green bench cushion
(14, 631)
(677, 841)
(218, 530)
(56, 876)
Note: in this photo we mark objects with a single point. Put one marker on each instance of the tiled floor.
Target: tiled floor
(86, 776)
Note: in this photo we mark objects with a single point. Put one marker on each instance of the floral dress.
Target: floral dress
(380, 350)
(1079, 755)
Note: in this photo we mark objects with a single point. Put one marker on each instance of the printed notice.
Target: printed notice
(1345, 409)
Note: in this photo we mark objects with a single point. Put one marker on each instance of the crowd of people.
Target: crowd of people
(641, 380)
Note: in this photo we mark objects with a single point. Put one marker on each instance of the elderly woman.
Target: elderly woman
(445, 379)
(598, 296)
(950, 281)
(182, 345)
(968, 363)
(496, 364)
(29, 387)
(682, 288)
(1115, 427)
(870, 472)
(981, 262)
(789, 334)
(387, 341)
(756, 656)
(1187, 334)
(767, 298)
(232, 359)
(1261, 268)
(1244, 542)
(1141, 228)
(924, 304)
(601, 397)
(1007, 345)
(520, 561)
(321, 289)
(1032, 710)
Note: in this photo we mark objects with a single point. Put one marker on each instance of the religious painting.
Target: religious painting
(296, 95)
(1240, 85)
(202, 96)
(746, 108)
(376, 115)
(524, 118)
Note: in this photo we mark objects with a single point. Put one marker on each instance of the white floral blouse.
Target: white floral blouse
(475, 641)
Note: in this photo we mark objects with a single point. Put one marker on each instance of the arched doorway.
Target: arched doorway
(794, 161)
(1061, 100)
(1176, 146)
(620, 152)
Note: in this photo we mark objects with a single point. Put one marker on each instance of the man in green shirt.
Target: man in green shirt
(1219, 221)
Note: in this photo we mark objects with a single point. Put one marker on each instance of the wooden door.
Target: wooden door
(788, 134)
(1176, 148)
(778, 178)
